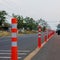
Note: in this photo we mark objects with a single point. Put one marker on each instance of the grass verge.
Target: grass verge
(5, 33)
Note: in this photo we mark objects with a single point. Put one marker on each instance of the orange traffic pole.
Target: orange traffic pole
(39, 36)
(45, 38)
(14, 48)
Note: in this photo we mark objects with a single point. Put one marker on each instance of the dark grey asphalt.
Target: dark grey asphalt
(26, 42)
(50, 51)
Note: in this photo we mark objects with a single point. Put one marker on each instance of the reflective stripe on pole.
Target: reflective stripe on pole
(14, 48)
(45, 37)
(39, 36)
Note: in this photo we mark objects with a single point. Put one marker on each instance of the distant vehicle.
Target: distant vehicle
(58, 29)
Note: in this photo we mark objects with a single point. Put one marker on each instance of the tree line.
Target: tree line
(27, 23)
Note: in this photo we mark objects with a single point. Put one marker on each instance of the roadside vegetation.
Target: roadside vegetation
(25, 25)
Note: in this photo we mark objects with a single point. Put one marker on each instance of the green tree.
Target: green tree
(26, 23)
(30, 23)
(43, 24)
(2, 17)
(20, 20)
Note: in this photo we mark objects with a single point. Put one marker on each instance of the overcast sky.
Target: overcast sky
(48, 10)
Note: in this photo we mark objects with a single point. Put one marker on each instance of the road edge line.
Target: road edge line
(33, 53)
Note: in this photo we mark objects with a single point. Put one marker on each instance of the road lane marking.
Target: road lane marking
(18, 53)
(9, 57)
(50, 37)
(18, 50)
(32, 54)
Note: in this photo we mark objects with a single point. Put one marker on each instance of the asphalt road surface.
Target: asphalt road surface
(50, 51)
(26, 44)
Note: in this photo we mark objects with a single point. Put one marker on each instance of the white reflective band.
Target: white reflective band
(14, 43)
(39, 33)
(39, 36)
(14, 35)
(14, 25)
(39, 29)
(2, 57)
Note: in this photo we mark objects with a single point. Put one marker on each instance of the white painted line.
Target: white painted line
(9, 57)
(23, 50)
(5, 50)
(32, 54)
(18, 50)
(18, 53)
(43, 44)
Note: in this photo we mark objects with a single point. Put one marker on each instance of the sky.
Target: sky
(49, 10)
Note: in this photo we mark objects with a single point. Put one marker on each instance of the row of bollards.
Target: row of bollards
(47, 34)
(14, 47)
